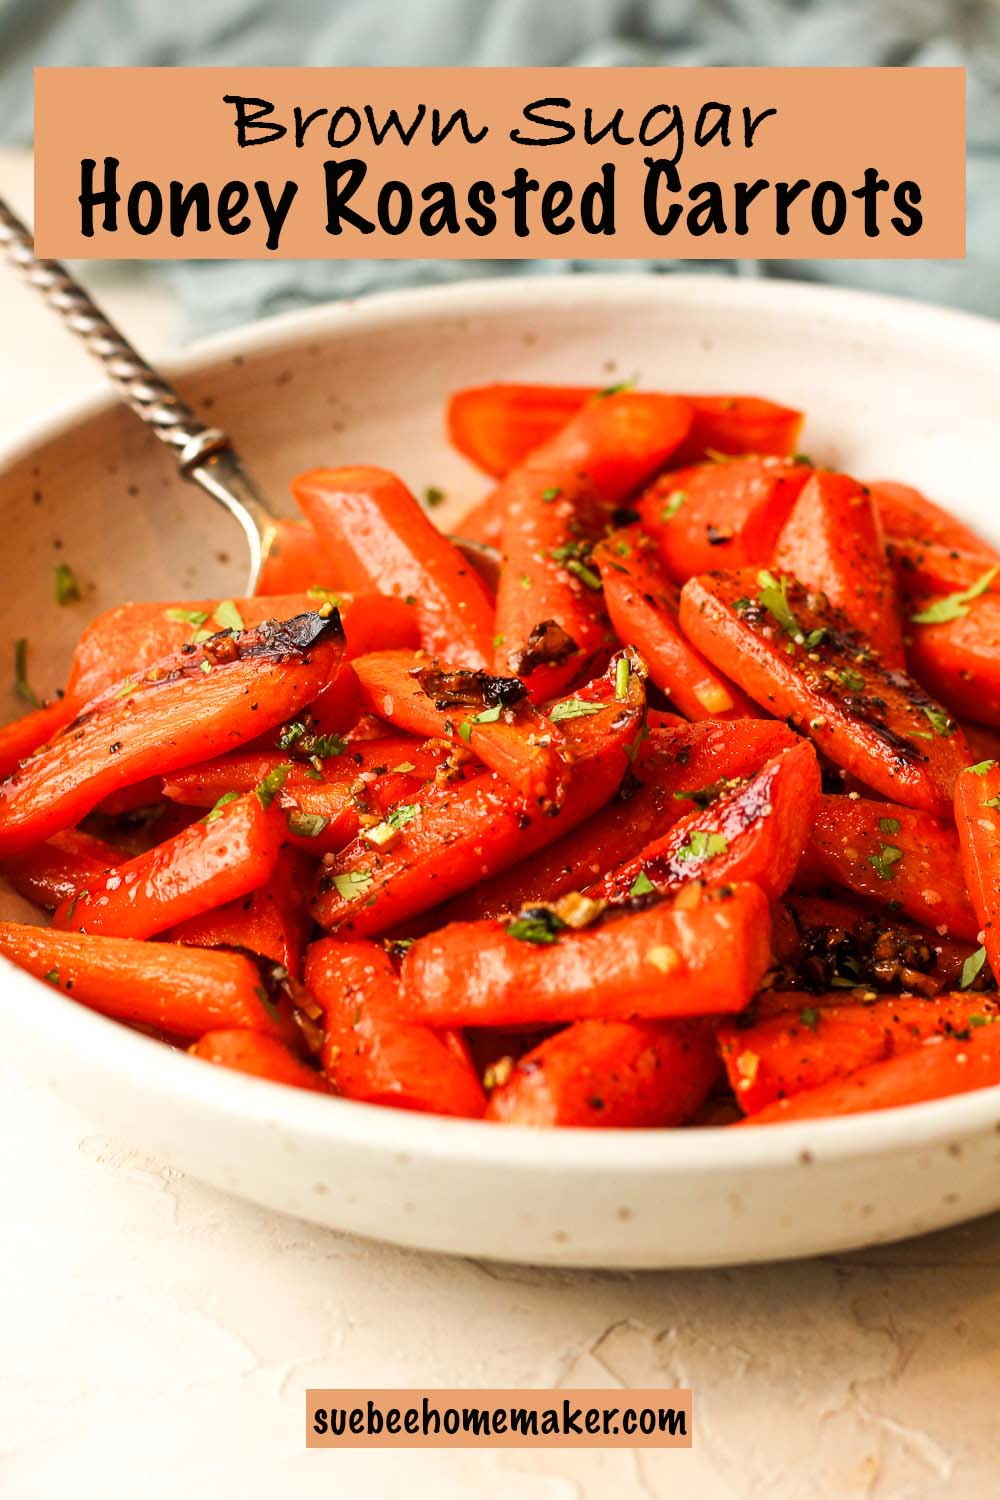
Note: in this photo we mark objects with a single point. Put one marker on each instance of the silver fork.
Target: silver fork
(205, 455)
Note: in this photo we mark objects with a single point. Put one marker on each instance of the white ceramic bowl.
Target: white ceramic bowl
(892, 388)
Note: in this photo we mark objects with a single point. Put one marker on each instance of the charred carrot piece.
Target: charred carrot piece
(549, 615)
(295, 562)
(189, 708)
(754, 831)
(721, 515)
(676, 769)
(260, 1056)
(935, 1070)
(54, 871)
(954, 647)
(461, 832)
(22, 737)
(700, 956)
(127, 640)
(611, 1074)
(833, 543)
(977, 814)
(376, 532)
(491, 715)
(369, 1052)
(801, 660)
(889, 853)
(497, 426)
(272, 921)
(907, 513)
(809, 1045)
(228, 855)
(642, 604)
(182, 991)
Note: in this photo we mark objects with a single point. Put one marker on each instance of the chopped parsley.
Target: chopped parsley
(971, 968)
(22, 687)
(810, 1017)
(325, 596)
(888, 825)
(272, 784)
(488, 716)
(675, 500)
(352, 883)
(266, 1001)
(574, 708)
(885, 861)
(939, 721)
(586, 575)
(67, 588)
(622, 674)
(299, 736)
(194, 617)
(433, 496)
(223, 801)
(774, 598)
(981, 768)
(403, 814)
(853, 681)
(702, 845)
(536, 925)
(228, 616)
(552, 493)
(52, 977)
(306, 825)
(641, 885)
(618, 388)
(954, 606)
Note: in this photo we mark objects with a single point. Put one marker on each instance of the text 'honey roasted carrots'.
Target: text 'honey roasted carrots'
(371, 1053)
(611, 1074)
(681, 958)
(802, 660)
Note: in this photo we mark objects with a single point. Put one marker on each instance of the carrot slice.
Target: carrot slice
(698, 958)
(721, 515)
(611, 1074)
(885, 852)
(977, 814)
(295, 561)
(22, 737)
(672, 771)
(833, 543)
(907, 513)
(935, 1070)
(209, 864)
(369, 1052)
(272, 921)
(754, 831)
(959, 659)
(376, 532)
(186, 709)
(182, 991)
(463, 831)
(549, 615)
(54, 871)
(642, 604)
(259, 1056)
(497, 426)
(489, 714)
(801, 660)
(808, 1045)
(932, 568)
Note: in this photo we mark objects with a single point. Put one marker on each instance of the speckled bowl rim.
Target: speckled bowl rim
(171, 1074)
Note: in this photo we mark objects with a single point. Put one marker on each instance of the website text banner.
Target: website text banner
(503, 1418)
(493, 163)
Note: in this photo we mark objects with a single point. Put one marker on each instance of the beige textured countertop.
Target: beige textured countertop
(156, 1337)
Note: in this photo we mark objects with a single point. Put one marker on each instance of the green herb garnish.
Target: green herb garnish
(971, 968)
(883, 863)
(352, 883)
(538, 925)
(306, 825)
(853, 681)
(888, 825)
(552, 493)
(266, 1001)
(433, 496)
(586, 575)
(67, 588)
(675, 500)
(229, 617)
(981, 768)
(622, 674)
(939, 721)
(195, 617)
(702, 845)
(223, 801)
(774, 598)
(810, 1017)
(272, 784)
(954, 606)
(574, 708)
(641, 885)
(22, 687)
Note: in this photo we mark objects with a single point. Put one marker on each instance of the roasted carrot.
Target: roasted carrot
(642, 604)
(977, 814)
(907, 513)
(676, 768)
(703, 954)
(376, 532)
(491, 715)
(611, 1074)
(954, 647)
(272, 921)
(181, 991)
(189, 708)
(54, 871)
(800, 659)
(932, 568)
(463, 831)
(260, 1056)
(497, 426)
(808, 1045)
(369, 1052)
(295, 561)
(22, 737)
(721, 515)
(754, 831)
(228, 855)
(932, 1071)
(549, 615)
(833, 543)
(889, 853)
